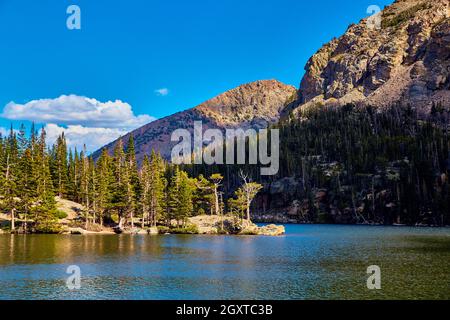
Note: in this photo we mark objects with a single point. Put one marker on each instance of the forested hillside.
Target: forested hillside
(357, 165)
(113, 191)
(337, 165)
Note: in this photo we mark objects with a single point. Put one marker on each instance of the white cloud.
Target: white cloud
(77, 136)
(4, 132)
(162, 92)
(77, 110)
(83, 120)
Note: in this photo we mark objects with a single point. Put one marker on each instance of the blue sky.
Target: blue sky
(127, 50)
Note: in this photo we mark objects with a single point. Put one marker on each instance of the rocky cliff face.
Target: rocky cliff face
(406, 59)
(254, 105)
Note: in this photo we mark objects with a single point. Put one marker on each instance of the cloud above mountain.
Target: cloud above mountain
(84, 120)
(78, 136)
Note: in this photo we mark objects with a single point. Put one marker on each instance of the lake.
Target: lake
(309, 262)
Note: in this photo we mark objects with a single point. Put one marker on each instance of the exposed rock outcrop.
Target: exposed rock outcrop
(76, 231)
(406, 60)
(268, 230)
(212, 224)
(73, 210)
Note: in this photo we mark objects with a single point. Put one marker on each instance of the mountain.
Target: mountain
(253, 105)
(406, 59)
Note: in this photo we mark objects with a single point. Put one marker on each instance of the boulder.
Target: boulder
(77, 231)
(206, 224)
(271, 230)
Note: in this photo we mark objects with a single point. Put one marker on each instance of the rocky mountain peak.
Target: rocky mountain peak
(252, 105)
(260, 100)
(403, 58)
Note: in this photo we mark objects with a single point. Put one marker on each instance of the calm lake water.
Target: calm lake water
(309, 262)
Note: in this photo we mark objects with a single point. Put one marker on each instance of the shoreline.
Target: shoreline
(201, 224)
(145, 233)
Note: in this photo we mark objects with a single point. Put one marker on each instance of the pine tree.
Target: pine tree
(210, 192)
(104, 180)
(186, 190)
(44, 210)
(22, 140)
(132, 176)
(204, 199)
(157, 186)
(120, 183)
(216, 180)
(75, 173)
(248, 191)
(93, 192)
(84, 184)
(26, 179)
(173, 196)
(42, 167)
(2, 164)
(61, 166)
(180, 197)
(145, 184)
(153, 184)
(11, 154)
(71, 181)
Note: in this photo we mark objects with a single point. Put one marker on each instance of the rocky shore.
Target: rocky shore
(73, 224)
(211, 224)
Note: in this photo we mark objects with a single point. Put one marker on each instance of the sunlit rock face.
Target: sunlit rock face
(253, 105)
(406, 59)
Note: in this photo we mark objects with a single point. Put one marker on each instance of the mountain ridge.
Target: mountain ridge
(405, 59)
(252, 105)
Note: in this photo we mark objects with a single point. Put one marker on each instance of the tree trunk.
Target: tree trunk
(13, 221)
(248, 209)
(59, 177)
(26, 222)
(132, 222)
(216, 199)
(143, 218)
(87, 212)
(121, 222)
